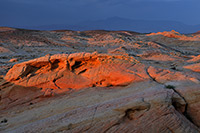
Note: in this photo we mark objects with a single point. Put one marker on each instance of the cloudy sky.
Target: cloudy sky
(46, 12)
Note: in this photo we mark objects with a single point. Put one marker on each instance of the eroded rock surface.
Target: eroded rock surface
(104, 82)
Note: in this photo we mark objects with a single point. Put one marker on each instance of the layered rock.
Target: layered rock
(140, 107)
(56, 74)
(77, 71)
(177, 35)
(139, 93)
(137, 83)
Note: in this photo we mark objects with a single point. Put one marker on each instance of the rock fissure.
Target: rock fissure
(92, 119)
(84, 70)
(174, 103)
(152, 78)
(54, 81)
(167, 47)
(76, 65)
(93, 116)
(185, 113)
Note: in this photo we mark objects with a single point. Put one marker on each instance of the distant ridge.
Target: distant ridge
(117, 23)
(198, 32)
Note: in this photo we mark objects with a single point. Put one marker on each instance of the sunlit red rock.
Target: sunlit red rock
(193, 67)
(177, 35)
(56, 74)
(76, 71)
(133, 83)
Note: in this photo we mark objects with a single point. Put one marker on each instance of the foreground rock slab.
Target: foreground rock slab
(140, 107)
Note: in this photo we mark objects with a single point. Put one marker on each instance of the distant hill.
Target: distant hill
(117, 23)
(198, 32)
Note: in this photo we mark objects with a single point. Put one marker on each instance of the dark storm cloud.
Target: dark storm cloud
(42, 12)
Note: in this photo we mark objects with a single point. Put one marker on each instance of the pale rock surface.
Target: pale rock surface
(132, 83)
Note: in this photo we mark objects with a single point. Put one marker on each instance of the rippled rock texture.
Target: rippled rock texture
(99, 81)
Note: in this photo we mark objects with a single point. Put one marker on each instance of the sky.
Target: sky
(46, 12)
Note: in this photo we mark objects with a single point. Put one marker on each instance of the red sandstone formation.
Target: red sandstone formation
(198, 32)
(134, 83)
(194, 67)
(177, 35)
(76, 71)
(56, 74)
(170, 34)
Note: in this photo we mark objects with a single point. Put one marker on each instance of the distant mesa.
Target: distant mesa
(2, 29)
(177, 35)
(170, 34)
(198, 32)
